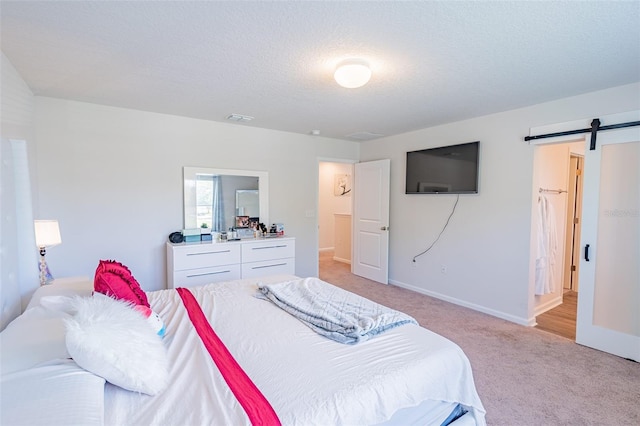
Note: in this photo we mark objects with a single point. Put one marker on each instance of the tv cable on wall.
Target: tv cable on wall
(441, 232)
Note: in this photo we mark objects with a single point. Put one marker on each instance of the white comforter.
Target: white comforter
(307, 378)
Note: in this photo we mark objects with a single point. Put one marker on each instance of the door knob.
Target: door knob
(384, 228)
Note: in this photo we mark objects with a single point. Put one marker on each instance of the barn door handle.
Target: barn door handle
(586, 252)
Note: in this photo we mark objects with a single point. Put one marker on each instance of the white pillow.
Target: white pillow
(34, 337)
(112, 340)
(38, 335)
(73, 286)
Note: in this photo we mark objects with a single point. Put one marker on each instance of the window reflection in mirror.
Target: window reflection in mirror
(210, 197)
(247, 203)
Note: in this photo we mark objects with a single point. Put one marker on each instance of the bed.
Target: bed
(404, 375)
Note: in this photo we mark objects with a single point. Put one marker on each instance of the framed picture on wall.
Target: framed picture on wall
(342, 184)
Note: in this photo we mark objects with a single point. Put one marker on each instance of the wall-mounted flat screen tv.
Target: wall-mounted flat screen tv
(449, 169)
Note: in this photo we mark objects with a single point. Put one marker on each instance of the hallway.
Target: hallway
(333, 271)
(561, 320)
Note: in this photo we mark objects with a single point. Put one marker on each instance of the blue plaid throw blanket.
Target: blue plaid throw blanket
(331, 311)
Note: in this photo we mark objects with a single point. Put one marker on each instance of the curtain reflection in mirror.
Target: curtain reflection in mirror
(218, 209)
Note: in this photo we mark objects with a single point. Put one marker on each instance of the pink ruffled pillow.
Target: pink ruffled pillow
(115, 280)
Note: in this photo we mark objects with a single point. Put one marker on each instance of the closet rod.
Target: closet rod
(595, 127)
(555, 191)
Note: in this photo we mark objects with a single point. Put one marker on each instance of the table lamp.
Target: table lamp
(47, 235)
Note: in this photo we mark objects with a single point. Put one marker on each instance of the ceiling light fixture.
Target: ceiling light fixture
(352, 73)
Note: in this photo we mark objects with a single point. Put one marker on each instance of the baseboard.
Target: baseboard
(326, 249)
(479, 308)
(548, 305)
(339, 259)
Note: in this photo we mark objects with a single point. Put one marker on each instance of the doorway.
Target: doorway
(335, 206)
(559, 171)
(353, 218)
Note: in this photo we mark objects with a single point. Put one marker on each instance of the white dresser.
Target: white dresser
(190, 265)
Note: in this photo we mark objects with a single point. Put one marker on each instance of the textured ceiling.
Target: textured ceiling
(433, 62)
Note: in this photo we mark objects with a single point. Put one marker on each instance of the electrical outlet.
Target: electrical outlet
(443, 269)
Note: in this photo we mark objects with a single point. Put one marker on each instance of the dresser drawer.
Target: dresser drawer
(269, 267)
(192, 265)
(202, 276)
(205, 255)
(268, 250)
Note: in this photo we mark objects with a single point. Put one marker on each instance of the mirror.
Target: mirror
(247, 202)
(210, 196)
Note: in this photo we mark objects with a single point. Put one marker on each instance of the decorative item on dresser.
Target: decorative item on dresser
(190, 265)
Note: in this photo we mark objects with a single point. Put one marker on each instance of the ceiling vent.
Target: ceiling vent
(364, 136)
(240, 118)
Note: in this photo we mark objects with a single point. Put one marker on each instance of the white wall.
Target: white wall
(486, 248)
(330, 204)
(18, 254)
(113, 179)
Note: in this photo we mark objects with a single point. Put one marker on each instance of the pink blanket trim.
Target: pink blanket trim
(248, 395)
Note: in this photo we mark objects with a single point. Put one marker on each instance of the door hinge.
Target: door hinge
(576, 220)
(573, 268)
(579, 172)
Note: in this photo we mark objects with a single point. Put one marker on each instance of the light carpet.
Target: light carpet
(524, 376)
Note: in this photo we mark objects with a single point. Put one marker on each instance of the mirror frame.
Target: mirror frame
(189, 186)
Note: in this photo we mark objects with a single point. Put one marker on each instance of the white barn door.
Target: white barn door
(608, 317)
(609, 299)
(371, 220)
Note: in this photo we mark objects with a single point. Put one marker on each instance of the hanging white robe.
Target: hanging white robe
(547, 247)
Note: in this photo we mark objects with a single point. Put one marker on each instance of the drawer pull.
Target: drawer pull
(208, 252)
(269, 247)
(207, 273)
(268, 266)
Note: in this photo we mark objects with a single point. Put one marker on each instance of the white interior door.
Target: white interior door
(371, 220)
(609, 301)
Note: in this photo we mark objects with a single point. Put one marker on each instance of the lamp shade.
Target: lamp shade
(47, 233)
(352, 73)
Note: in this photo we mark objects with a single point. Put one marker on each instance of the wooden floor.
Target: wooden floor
(561, 320)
